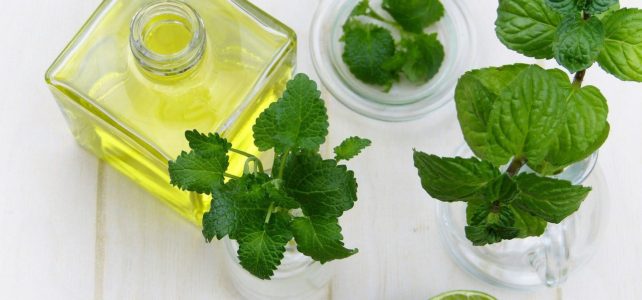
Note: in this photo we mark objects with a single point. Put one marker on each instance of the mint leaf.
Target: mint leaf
(565, 6)
(414, 15)
(195, 173)
(527, 115)
(424, 55)
(367, 47)
(210, 145)
(350, 148)
(298, 120)
(578, 42)
(527, 26)
(320, 238)
(583, 132)
(492, 204)
(548, 198)
(528, 224)
(277, 194)
(453, 179)
(321, 186)
(362, 9)
(261, 249)
(238, 204)
(485, 234)
(475, 95)
(622, 53)
(595, 7)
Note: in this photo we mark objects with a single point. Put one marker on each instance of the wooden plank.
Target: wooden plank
(48, 183)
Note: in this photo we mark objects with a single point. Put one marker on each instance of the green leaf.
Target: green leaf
(527, 115)
(578, 42)
(485, 234)
(583, 132)
(320, 238)
(261, 249)
(492, 205)
(595, 7)
(361, 9)
(367, 47)
(622, 53)
(475, 95)
(424, 55)
(565, 6)
(528, 224)
(527, 26)
(236, 205)
(350, 148)
(298, 120)
(277, 194)
(453, 179)
(321, 186)
(550, 199)
(414, 15)
(199, 174)
(492, 217)
(210, 145)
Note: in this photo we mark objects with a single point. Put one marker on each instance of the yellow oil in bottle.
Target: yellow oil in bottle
(134, 117)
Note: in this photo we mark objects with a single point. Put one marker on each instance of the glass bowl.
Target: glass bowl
(405, 101)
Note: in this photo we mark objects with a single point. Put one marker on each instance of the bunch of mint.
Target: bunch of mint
(374, 57)
(523, 115)
(302, 197)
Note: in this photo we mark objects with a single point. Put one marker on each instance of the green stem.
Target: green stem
(243, 153)
(231, 176)
(269, 213)
(257, 164)
(377, 17)
(284, 159)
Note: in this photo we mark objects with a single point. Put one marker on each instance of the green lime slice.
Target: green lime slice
(463, 295)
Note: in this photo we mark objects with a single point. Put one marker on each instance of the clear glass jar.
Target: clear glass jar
(405, 101)
(298, 277)
(533, 262)
(140, 73)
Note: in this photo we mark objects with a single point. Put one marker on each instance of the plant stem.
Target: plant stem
(284, 159)
(269, 213)
(515, 166)
(377, 17)
(242, 153)
(231, 176)
(579, 78)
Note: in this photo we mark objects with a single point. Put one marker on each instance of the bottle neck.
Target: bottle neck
(167, 38)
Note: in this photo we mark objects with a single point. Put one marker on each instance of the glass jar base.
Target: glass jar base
(298, 277)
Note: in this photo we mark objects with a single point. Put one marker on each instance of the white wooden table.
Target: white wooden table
(73, 228)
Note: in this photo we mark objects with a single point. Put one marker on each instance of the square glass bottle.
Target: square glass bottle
(140, 73)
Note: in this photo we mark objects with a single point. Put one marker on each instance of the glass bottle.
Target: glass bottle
(140, 73)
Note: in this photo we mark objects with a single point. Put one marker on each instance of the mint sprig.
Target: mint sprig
(375, 57)
(301, 199)
(523, 115)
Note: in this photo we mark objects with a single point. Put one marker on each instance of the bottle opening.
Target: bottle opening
(167, 38)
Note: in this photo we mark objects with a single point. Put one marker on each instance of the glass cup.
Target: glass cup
(532, 262)
(405, 101)
(298, 276)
